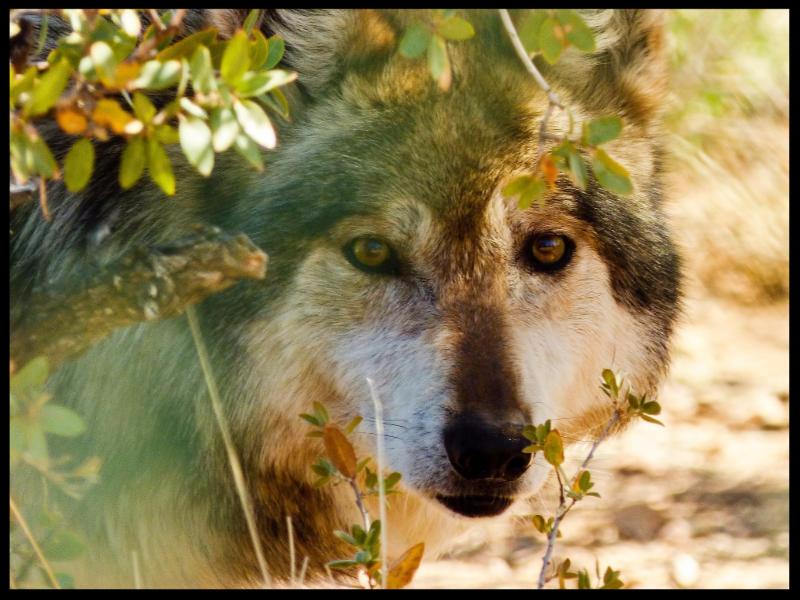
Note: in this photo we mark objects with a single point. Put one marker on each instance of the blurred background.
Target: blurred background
(704, 501)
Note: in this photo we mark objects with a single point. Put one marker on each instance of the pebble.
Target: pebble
(685, 570)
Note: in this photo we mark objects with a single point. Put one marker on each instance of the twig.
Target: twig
(552, 97)
(24, 525)
(43, 200)
(291, 548)
(563, 509)
(302, 577)
(233, 458)
(137, 575)
(381, 484)
(360, 502)
(147, 46)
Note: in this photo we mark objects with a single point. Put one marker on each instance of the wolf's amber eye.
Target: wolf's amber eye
(371, 254)
(549, 251)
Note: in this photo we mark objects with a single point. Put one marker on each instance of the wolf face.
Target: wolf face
(465, 325)
(394, 256)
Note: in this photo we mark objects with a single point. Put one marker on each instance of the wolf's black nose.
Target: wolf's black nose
(478, 450)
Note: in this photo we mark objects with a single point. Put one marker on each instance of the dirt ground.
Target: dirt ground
(700, 503)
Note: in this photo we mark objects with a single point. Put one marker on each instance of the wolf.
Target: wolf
(394, 256)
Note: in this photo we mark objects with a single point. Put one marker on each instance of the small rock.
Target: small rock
(638, 522)
(685, 570)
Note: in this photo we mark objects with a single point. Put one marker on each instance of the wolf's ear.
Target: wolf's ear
(319, 42)
(626, 72)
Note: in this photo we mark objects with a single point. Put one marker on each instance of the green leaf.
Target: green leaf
(343, 535)
(539, 523)
(651, 420)
(48, 89)
(583, 580)
(193, 109)
(584, 482)
(159, 167)
(550, 45)
(529, 29)
(195, 138)
(276, 49)
(103, 60)
(374, 533)
(156, 75)
(438, 61)
(600, 131)
(22, 84)
(342, 564)
(250, 21)
(60, 420)
(610, 174)
(132, 164)
(533, 192)
(455, 28)
(362, 463)
(255, 123)
(415, 41)
(577, 169)
(63, 545)
(224, 129)
(166, 134)
(36, 443)
(78, 165)
(310, 419)
(321, 412)
(257, 83)
(259, 50)
(249, 150)
(144, 109)
(611, 381)
(529, 431)
(651, 408)
(353, 424)
(554, 448)
(391, 480)
(203, 79)
(363, 557)
(578, 32)
(359, 534)
(30, 377)
(236, 59)
(516, 186)
(43, 162)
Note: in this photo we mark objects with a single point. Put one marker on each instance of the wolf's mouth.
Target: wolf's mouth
(476, 506)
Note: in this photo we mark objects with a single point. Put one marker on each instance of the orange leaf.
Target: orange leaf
(110, 113)
(340, 450)
(550, 171)
(125, 72)
(402, 571)
(71, 120)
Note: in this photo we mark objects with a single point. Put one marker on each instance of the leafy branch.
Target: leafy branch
(96, 84)
(340, 465)
(549, 32)
(548, 441)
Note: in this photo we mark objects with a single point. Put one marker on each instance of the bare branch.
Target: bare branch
(146, 284)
